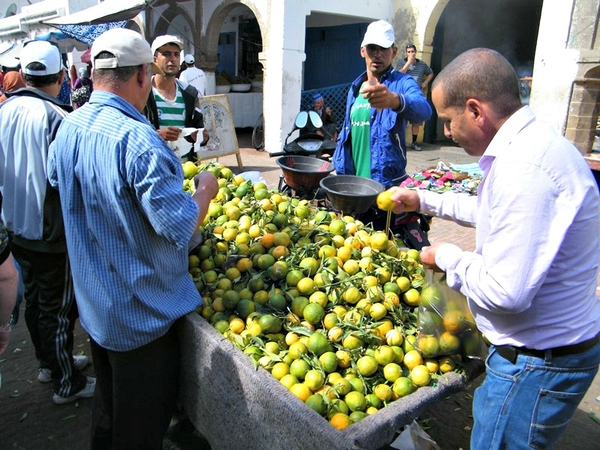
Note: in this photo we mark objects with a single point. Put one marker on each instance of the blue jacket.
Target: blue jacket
(388, 127)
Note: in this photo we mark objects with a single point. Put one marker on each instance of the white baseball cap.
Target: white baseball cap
(42, 52)
(128, 46)
(189, 58)
(166, 39)
(380, 33)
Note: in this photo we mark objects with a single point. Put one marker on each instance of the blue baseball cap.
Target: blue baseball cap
(317, 96)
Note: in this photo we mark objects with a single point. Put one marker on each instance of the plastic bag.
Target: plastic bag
(446, 325)
(414, 438)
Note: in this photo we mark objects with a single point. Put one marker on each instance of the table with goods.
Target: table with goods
(316, 331)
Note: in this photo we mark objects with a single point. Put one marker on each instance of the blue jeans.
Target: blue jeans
(529, 404)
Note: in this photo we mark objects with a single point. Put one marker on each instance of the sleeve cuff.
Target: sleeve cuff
(402, 104)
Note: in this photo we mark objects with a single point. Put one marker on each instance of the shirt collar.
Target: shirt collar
(507, 132)
(109, 99)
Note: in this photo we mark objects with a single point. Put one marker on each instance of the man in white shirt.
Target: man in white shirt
(194, 76)
(531, 281)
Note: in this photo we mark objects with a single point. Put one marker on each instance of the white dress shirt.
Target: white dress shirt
(531, 280)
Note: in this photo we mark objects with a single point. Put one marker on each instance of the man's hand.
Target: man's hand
(206, 189)
(379, 96)
(205, 136)
(411, 59)
(169, 133)
(406, 200)
(427, 256)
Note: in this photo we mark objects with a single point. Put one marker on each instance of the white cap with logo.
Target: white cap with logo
(42, 52)
(189, 58)
(129, 48)
(380, 33)
(164, 40)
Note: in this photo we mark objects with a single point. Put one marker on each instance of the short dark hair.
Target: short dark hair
(411, 46)
(480, 73)
(39, 81)
(119, 74)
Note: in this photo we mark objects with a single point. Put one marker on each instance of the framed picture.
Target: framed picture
(218, 121)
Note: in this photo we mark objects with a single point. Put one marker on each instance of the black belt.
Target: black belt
(510, 353)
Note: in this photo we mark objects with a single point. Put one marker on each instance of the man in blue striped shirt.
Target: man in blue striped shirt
(128, 223)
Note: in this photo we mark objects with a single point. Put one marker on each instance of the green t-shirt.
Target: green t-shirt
(360, 135)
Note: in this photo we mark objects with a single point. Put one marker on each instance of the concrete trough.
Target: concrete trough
(233, 405)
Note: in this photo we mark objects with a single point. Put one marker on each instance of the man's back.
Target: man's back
(196, 77)
(30, 120)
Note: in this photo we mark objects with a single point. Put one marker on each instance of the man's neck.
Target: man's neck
(165, 85)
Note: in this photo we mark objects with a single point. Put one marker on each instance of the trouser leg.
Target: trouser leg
(50, 315)
(137, 394)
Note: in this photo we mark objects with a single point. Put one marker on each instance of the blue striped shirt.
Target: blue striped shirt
(127, 220)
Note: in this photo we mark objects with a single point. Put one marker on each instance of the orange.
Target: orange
(383, 392)
(428, 345)
(412, 358)
(318, 343)
(367, 366)
(455, 321)
(329, 362)
(340, 421)
(306, 286)
(384, 201)
(316, 402)
(449, 343)
(384, 354)
(279, 252)
(299, 368)
(313, 313)
(268, 240)
(392, 371)
(379, 241)
(301, 390)
(412, 297)
(279, 370)
(269, 324)
(403, 386)
(403, 283)
(309, 265)
(314, 379)
(355, 400)
(420, 375)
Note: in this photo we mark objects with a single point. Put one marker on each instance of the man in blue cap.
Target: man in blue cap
(329, 128)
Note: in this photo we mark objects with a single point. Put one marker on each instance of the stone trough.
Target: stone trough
(233, 405)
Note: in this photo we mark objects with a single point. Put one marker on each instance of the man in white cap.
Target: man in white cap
(129, 222)
(380, 101)
(194, 76)
(172, 104)
(31, 212)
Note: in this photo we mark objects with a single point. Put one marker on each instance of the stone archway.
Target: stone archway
(584, 109)
(176, 20)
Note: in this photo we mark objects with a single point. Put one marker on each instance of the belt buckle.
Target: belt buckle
(508, 352)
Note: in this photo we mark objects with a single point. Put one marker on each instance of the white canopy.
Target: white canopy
(107, 11)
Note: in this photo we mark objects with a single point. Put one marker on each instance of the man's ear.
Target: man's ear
(475, 108)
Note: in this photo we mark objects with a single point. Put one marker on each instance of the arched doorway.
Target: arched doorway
(508, 26)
